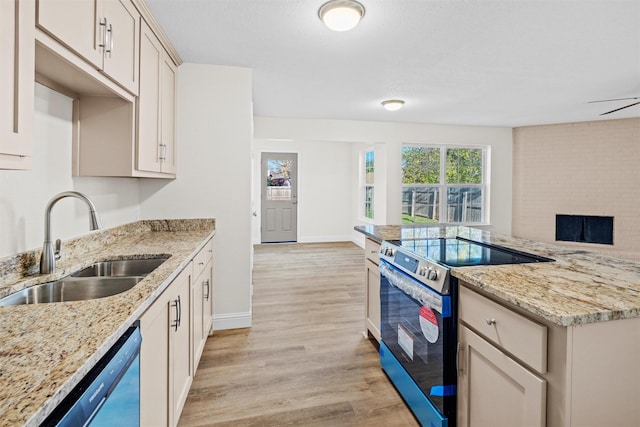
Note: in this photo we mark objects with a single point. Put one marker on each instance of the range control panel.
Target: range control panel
(424, 270)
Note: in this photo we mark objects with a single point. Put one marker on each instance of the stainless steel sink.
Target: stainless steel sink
(99, 280)
(121, 268)
(71, 289)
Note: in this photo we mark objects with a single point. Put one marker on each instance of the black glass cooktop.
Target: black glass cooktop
(460, 252)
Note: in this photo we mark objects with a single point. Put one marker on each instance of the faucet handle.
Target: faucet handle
(57, 250)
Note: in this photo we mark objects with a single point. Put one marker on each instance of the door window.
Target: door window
(279, 179)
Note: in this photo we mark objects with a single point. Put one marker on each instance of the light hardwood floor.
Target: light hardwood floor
(304, 361)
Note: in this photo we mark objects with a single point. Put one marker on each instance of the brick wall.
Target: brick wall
(587, 168)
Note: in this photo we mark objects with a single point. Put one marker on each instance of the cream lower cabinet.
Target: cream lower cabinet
(372, 288)
(166, 363)
(202, 300)
(17, 65)
(516, 369)
(494, 390)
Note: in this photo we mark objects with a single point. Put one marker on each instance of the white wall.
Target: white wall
(214, 122)
(387, 139)
(324, 188)
(24, 194)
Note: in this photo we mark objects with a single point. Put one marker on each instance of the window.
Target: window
(367, 162)
(443, 184)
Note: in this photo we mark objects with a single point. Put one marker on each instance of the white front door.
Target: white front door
(279, 200)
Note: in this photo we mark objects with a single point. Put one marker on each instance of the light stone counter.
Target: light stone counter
(578, 287)
(46, 349)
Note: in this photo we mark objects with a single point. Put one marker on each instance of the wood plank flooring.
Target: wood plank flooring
(304, 361)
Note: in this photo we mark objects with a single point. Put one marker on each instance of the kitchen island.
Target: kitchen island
(46, 349)
(558, 342)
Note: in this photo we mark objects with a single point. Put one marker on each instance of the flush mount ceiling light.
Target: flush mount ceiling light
(392, 104)
(341, 15)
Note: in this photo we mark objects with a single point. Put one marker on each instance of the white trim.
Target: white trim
(231, 321)
(323, 239)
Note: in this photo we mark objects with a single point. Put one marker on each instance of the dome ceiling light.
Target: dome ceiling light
(341, 15)
(392, 104)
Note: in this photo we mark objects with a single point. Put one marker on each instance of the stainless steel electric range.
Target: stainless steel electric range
(419, 308)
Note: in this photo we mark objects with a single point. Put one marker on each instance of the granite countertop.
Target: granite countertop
(46, 349)
(579, 287)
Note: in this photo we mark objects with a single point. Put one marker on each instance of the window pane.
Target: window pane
(464, 166)
(368, 202)
(368, 167)
(279, 179)
(420, 165)
(420, 205)
(464, 204)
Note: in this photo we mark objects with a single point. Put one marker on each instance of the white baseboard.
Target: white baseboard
(324, 239)
(231, 321)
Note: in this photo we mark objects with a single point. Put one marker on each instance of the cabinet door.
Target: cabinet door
(202, 312)
(168, 115)
(372, 295)
(494, 390)
(154, 364)
(198, 296)
(181, 344)
(17, 67)
(75, 23)
(207, 311)
(149, 101)
(121, 53)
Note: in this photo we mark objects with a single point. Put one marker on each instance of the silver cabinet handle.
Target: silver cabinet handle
(176, 322)
(104, 34)
(206, 284)
(163, 152)
(110, 31)
(459, 350)
(179, 311)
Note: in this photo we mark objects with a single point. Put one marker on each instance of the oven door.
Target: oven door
(418, 328)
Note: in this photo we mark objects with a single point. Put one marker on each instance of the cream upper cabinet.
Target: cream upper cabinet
(156, 148)
(16, 83)
(103, 32)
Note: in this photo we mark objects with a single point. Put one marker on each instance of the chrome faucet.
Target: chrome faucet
(48, 256)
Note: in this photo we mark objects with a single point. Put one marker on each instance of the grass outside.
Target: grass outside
(408, 219)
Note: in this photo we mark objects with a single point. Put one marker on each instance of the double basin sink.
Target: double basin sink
(99, 280)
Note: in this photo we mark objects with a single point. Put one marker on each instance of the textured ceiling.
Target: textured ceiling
(495, 63)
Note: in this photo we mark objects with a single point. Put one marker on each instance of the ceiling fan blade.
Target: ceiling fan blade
(609, 100)
(621, 108)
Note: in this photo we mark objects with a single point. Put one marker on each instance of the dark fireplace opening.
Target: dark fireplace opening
(585, 229)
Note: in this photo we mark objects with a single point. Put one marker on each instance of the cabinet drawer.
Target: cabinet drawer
(202, 259)
(512, 332)
(372, 250)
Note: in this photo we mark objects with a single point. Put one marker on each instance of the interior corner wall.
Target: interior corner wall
(214, 124)
(586, 168)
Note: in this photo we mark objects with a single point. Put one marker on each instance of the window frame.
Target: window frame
(442, 186)
(364, 185)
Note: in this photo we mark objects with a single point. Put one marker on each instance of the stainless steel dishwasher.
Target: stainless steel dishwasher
(109, 395)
